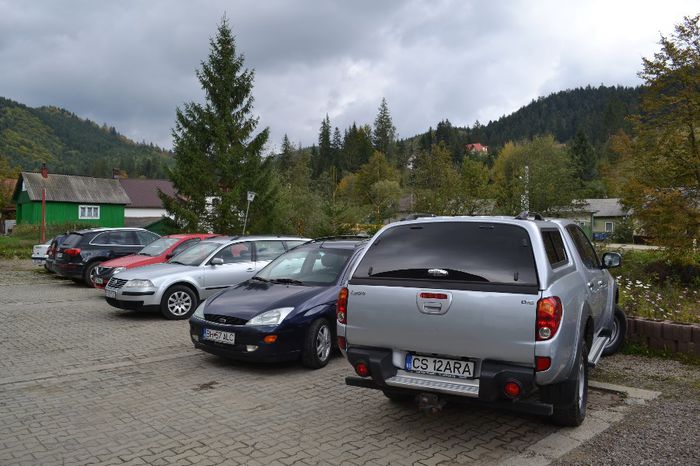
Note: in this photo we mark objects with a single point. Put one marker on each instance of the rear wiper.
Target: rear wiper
(260, 279)
(287, 281)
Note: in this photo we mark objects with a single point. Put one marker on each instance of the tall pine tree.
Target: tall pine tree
(384, 132)
(217, 155)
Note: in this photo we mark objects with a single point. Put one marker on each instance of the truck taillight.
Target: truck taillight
(549, 313)
(72, 251)
(341, 306)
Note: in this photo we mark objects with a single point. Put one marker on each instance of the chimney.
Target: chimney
(44, 171)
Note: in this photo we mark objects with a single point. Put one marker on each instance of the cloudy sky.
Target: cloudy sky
(131, 63)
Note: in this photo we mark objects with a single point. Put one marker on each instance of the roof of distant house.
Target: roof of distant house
(144, 193)
(605, 207)
(72, 188)
(477, 147)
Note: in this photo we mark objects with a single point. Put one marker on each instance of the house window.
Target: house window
(89, 212)
(608, 227)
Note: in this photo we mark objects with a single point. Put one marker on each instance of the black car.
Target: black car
(285, 312)
(80, 252)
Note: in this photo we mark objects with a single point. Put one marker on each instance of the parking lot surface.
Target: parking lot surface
(81, 382)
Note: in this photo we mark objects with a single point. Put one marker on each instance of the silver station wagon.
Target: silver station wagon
(178, 286)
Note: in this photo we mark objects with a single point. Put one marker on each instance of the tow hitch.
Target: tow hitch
(430, 402)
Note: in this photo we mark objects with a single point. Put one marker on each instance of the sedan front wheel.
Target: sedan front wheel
(318, 344)
(178, 302)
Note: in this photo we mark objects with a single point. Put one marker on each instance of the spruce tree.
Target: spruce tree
(384, 132)
(217, 155)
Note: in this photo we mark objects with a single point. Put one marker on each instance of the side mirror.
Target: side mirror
(216, 261)
(611, 260)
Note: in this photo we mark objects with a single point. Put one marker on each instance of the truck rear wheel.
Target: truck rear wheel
(569, 398)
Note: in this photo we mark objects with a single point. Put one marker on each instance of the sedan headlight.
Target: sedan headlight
(139, 284)
(273, 317)
(199, 312)
(118, 269)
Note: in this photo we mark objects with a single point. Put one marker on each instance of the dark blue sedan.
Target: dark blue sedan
(285, 312)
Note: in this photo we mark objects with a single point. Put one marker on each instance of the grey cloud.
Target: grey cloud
(131, 63)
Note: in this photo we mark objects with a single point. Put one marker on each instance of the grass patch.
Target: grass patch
(637, 349)
(652, 286)
(19, 244)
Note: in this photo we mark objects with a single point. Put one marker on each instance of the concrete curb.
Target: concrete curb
(559, 443)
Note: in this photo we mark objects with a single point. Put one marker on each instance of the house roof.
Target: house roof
(144, 193)
(604, 207)
(72, 188)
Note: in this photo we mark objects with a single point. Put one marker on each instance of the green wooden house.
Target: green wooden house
(70, 199)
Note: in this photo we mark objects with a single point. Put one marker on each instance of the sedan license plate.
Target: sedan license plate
(110, 294)
(438, 366)
(219, 336)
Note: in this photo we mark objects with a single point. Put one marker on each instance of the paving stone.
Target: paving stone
(81, 382)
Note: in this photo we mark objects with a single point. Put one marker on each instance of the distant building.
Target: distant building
(145, 207)
(600, 216)
(7, 211)
(477, 148)
(69, 199)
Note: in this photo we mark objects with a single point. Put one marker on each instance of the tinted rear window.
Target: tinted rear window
(71, 240)
(487, 253)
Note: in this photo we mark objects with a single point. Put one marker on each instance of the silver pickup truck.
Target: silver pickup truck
(501, 310)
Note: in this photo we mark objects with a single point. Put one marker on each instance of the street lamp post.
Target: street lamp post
(251, 198)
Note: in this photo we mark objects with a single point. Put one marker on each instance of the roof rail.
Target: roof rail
(525, 215)
(326, 238)
(416, 216)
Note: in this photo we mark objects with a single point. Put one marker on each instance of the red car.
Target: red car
(157, 252)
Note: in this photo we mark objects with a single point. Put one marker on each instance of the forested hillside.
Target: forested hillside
(596, 112)
(72, 145)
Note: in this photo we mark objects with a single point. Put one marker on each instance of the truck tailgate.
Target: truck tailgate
(459, 323)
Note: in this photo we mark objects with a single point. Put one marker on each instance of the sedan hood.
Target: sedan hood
(134, 260)
(251, 298)
(153, 271)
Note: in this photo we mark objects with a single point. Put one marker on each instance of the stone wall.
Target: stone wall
(663, 335)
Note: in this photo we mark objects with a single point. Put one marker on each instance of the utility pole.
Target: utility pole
(525, 197)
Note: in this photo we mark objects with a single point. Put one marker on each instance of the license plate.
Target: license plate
(110, 294)
(439, 366)
(219, 336)
(98, 280)
(59, 255)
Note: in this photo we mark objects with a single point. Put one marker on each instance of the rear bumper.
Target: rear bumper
(487, 388)
(69, 270)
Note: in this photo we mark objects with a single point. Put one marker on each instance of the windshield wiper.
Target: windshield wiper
(287, 281)
(260, 279)
(177, 262)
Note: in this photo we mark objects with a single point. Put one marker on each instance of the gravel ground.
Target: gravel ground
(663, 431)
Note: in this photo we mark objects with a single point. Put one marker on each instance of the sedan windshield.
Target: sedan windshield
(306, 266)
(196, 254)
(158, 247)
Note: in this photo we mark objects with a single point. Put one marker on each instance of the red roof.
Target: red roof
(477, 147)
(144, 193)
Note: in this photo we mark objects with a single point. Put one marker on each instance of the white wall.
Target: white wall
(134, 212)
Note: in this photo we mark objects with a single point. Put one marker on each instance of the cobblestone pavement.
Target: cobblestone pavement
(81, 382)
